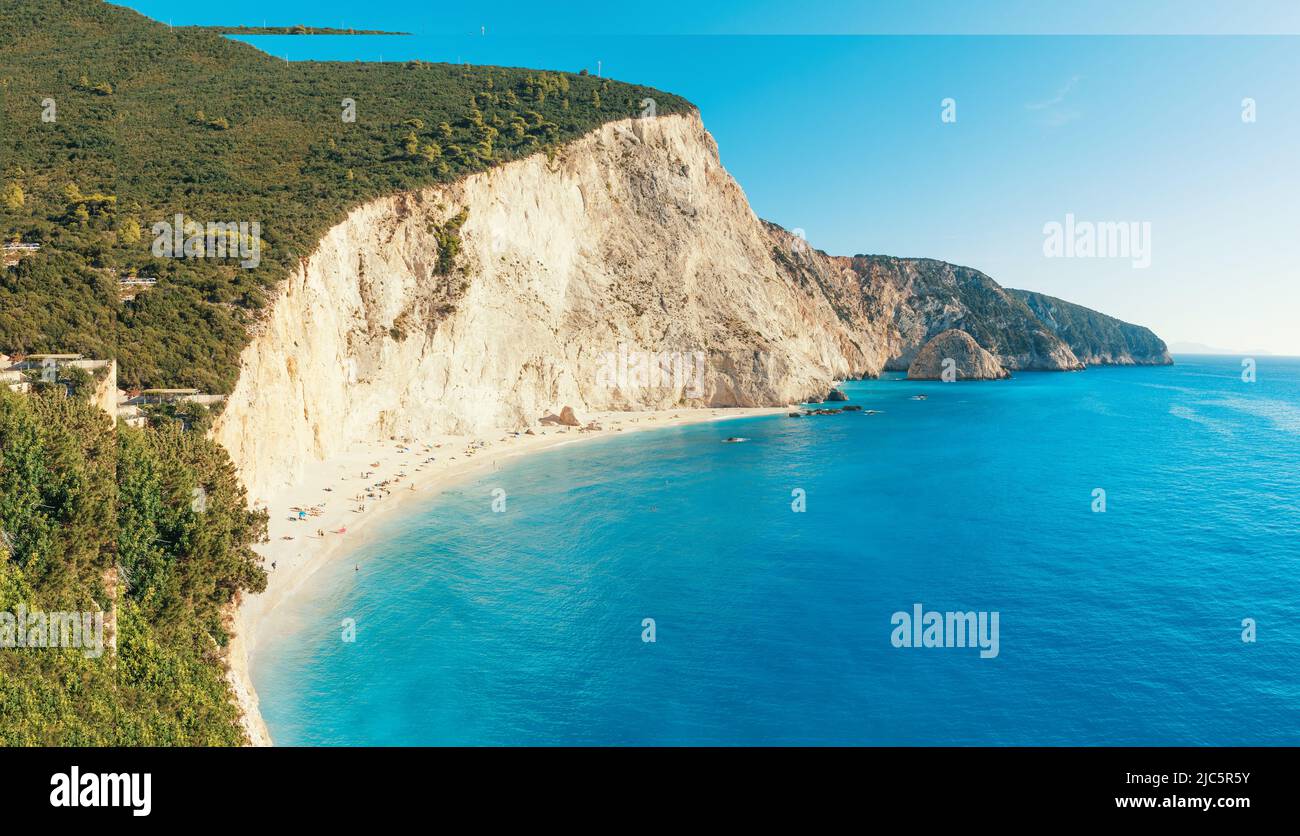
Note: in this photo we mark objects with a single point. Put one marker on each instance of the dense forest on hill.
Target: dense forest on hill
(291, 30)
(111, 123)
(114, 122)
(103, 519)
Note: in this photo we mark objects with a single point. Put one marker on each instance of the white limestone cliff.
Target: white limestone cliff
(630, 244)
(631, 239)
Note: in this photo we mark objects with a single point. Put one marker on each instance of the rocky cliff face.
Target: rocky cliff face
(901, 303)
(625, 272)
(959, 351)
(1096, 339)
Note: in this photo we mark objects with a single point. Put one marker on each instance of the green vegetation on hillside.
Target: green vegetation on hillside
(149, 525)
(113, 123)
(289, 30)
(1091, 334)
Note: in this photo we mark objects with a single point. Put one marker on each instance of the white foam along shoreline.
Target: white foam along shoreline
(335, 522)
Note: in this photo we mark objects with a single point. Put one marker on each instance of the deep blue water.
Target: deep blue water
(1123, 627)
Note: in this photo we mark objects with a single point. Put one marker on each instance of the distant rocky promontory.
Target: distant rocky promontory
(1095, 338)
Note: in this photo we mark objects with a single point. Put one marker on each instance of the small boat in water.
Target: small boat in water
(919, 397)
(735, 439)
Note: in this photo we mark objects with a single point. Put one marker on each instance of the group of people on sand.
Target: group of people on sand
(377, 490)
(384, 488)
(299, 514)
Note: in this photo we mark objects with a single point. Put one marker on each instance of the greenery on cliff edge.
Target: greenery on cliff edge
(109, 124)
(147, 122)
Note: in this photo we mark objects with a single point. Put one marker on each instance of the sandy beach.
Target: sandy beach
(332, 511)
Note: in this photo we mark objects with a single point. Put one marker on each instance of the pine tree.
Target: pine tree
(14, 198)
(129, 231)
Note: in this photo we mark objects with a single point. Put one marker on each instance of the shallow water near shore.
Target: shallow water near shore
(525, 626)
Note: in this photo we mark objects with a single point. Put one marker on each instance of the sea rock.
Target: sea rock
(836, 395)
(969, 360)
(566, 418)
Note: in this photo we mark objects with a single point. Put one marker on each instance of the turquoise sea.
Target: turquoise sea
(774, 626)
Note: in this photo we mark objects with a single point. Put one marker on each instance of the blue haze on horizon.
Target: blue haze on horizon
(841, 136)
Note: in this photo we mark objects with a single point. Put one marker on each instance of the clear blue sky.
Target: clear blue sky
(841, 135)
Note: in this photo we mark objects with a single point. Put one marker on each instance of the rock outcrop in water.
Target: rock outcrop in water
(1095, 338)
(625, 271)
(958, 350)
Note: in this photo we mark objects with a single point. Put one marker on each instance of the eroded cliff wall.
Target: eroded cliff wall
(563, 280)
(632, 239)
